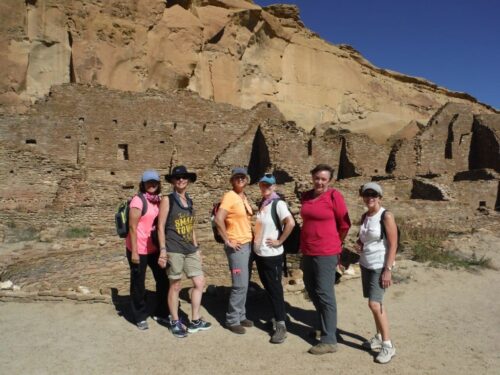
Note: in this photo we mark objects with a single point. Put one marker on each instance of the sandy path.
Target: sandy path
(444, 322)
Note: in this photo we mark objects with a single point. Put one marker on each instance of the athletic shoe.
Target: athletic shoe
(178, 329)
(246, 323)
(279, 334)
(323, 348)
(142, 325)
(386, 354)
(198, 325)
(374, 343)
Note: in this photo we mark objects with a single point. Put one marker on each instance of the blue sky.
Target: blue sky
(453, 43)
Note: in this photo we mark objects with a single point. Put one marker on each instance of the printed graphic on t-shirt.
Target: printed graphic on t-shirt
(184, 226)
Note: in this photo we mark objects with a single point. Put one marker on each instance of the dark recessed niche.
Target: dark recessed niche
(96, 139)
(175, 125)
(122, 153)
(81, 120)
(112, 173)
(31, 141)
(162, 142)
(204, 127)
(145, 123)
(268, 105)
(11, 171)
(115, 121)
(127, 187)
(67, 137)
(49, 172)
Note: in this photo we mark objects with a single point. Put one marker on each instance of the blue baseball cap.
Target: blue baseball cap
(268, 178)
(150, 175)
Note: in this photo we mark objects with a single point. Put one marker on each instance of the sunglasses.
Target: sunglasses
(370, 194)
(240, 177)
(181, 177)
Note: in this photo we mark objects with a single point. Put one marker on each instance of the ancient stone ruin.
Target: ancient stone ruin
(243, 85)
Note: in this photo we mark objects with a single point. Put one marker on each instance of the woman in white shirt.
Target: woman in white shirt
(378, 252)
(268, 248)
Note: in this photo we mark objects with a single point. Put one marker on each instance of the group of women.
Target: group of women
(325, 224)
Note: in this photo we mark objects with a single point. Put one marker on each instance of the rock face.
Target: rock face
(230, 51)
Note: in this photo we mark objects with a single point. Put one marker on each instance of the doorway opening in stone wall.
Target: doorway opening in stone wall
(259, 157)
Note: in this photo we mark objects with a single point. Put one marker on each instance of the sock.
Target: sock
(387, 343)
(378, 336)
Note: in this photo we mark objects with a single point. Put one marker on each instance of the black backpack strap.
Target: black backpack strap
(383, 234)
(274, 215)
(144, 204)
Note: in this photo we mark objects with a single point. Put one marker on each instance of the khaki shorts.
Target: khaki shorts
(190, 264)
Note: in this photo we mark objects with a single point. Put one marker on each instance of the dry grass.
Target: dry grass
(426, 246)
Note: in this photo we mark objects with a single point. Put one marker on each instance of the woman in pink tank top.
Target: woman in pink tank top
(142, 249)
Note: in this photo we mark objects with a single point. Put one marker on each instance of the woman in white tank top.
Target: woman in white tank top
(377, 259)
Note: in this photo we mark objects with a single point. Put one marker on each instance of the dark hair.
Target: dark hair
(142, 188)
(321, 168)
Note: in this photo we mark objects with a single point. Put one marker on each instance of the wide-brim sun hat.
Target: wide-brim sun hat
(372, 186)
(150, 175)
(181, 171)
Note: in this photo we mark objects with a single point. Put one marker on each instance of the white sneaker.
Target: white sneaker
(374, 343)
(386, 354)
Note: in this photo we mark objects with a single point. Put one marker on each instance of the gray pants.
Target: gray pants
(319, 280)
(238, 265)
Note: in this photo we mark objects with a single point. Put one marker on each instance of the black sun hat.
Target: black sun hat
(180, 171)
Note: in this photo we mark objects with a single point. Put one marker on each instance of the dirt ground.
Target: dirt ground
(443, 322)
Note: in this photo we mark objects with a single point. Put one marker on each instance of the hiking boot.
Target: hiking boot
(238, 329)
(177, 329)
(386, 354)
(323, 348)
(246, 323)
(198, 325)
(279, 334)
(374, 343)
(142, 325)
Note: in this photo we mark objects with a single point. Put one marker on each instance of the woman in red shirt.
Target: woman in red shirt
(325, 225)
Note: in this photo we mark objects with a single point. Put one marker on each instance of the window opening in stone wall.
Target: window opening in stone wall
(259, 157)
(175, 125)
(204, 127)
(145, 123)
(268, 105)
(81, 120)
(122, 153)
(309, 147)
(96, 139)
(67, 137)
(115, 121)
(162, 142)
(31, 141)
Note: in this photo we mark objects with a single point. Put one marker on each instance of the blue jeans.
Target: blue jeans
(319, 280)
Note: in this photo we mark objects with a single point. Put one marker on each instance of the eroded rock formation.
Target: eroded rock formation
(230, 51)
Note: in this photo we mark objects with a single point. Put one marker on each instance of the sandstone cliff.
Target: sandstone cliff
(230, 51)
